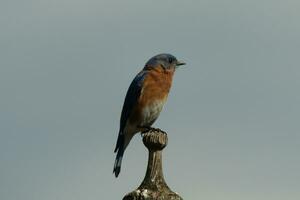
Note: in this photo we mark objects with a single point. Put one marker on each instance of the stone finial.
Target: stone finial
(154, 186)
(155, 141)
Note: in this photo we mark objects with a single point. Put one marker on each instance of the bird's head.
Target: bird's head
(163, 61)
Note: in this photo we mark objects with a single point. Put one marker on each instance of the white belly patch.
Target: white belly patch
(151, 112)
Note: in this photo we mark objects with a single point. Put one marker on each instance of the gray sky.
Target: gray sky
(232, 115)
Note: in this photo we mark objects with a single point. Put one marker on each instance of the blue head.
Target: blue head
(164, 61)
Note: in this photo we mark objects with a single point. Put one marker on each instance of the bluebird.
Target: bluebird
(144, 101)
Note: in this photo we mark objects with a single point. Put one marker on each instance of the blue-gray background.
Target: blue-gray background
(232, 115)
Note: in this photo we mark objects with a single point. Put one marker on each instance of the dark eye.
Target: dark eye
(170, 60)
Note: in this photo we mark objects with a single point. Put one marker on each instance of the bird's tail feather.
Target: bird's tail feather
(120, 151)
(118, 161)
(120, 142)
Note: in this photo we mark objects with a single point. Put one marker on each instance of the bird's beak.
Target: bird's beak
(179, 63)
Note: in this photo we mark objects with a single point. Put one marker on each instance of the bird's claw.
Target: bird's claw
(148, 129)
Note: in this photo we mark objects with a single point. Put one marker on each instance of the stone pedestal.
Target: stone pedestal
(154, 186)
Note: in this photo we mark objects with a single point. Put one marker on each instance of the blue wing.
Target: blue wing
(131, 99)
(132, 96)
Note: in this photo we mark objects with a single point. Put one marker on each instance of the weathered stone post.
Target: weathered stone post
(154, 186)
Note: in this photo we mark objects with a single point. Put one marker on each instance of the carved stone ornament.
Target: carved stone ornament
(154, 186)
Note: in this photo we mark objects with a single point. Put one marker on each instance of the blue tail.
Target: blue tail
(120, 151)
(118, 162)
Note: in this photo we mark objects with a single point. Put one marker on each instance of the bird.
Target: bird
(144, 101)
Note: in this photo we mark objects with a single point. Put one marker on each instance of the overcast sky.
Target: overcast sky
(232, 115)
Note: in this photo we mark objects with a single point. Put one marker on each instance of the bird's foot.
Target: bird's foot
(158, 130)
(148, 129)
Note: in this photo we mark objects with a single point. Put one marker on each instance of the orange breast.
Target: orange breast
(156, 87)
